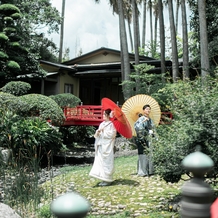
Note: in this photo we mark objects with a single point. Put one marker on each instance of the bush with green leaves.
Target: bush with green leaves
(28, 137)
(7, 121)
(195, 109)
(144, 81)
(77, 134)
(45, 211)
(43, 107)
(13, 103)
(34, 137)
(66, 100)
(141, 81)
(31, 105)
(16, 88)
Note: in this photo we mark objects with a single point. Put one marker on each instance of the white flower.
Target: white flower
(111, 114)
(150, 132)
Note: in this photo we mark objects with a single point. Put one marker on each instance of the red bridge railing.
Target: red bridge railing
(92, 115)
(166, 118)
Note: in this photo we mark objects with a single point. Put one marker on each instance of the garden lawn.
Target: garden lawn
(128, 196)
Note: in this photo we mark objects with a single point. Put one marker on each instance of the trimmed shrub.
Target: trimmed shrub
(66, 100)
(3, 37)
(12, 65)
(3, 56)
(13, 103)
(8, 9)
(16, 88)
(43, 107)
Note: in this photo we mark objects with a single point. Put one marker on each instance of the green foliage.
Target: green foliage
(31, 105)
(143, 81)
(138, 75)
(38, 17)
(120, 215)
(3, 55)
(45, 211)
(3, 37)
(74, 134)
(150, 50)
(39, 14)
(26, 19)
(16, 88)
(9, 30)
(7, 120)
(8, 9)
(28, 137)
(34, 138)
(14, 44)
(13, 103)
(8, 19)
(195, 110)
(44, 107)
(66, 100)
(10, 67)
(212, 30)
(47, 49)
(13, 65)
(23, 189)
(151, 195)
(16, 16)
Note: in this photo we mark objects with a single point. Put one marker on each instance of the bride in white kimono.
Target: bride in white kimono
(103, 167)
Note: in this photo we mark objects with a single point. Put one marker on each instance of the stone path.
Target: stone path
(123, 148)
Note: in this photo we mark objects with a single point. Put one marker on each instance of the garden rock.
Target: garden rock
(5, 155)
(7, 212)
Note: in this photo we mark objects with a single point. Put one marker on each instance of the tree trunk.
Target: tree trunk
(155, 35)
(175, 63)
(177, 14)
(136, 39)
(130, 36)
(185, 41)
(125, 63)
(136, 31)
(162, 37)
(62, 32)
(144, 24)
(151, 24)
(203, 38)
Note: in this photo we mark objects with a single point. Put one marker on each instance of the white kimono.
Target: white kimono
(103, 167)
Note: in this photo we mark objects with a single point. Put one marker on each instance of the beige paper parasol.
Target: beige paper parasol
(133, 107)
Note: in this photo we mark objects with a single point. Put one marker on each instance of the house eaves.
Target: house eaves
(103, 51)
(117, 65)
(112, 68)
(156, 63)
(109, 72)
(81, 67)
(55, 67)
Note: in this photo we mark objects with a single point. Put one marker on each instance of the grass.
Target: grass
(128, 196)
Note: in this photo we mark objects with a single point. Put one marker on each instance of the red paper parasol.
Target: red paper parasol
(214, 209)
(119, 119)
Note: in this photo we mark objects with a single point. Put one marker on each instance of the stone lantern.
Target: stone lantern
(70, 205)
(197, 195)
